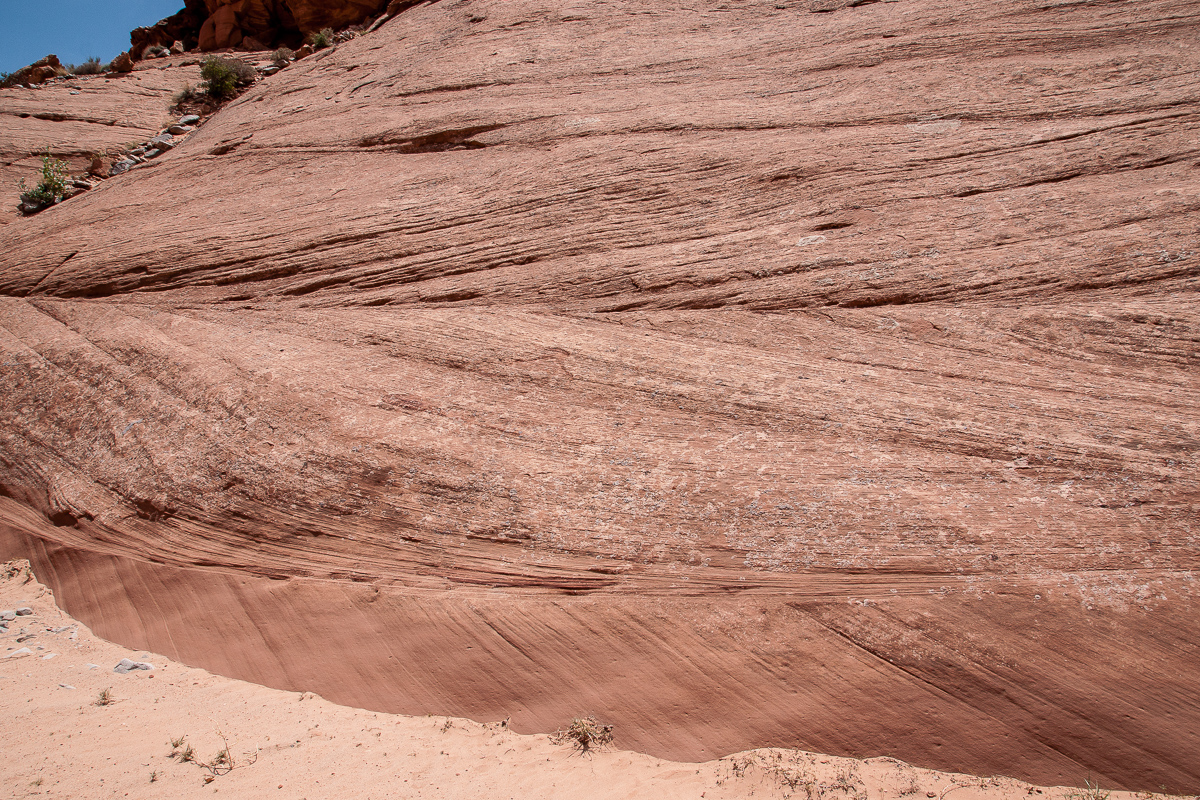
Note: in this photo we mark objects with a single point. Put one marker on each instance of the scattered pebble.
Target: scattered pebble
(180, 130)
(126, 665)
(8, 614)
(189, 119)
(24, 611)
(24, 651)
(48, 656)
(65, 686)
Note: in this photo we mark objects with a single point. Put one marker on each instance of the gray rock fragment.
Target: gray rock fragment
(125, 665)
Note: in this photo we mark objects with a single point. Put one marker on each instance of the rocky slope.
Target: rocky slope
(79, 116)
(806, 374)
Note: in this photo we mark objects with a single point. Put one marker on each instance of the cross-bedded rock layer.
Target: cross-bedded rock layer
(767, 374)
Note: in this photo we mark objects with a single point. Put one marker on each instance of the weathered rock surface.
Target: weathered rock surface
(746, 375)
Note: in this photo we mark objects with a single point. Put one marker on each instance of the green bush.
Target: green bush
(282, 56)
(322, 39)
(223, 76)
(53, 185)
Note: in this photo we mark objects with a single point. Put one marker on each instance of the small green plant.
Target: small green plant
(282, 56)
(52, 186)
(154, 776)
(105, 698)
(223, 76)
(321, 39)
(90, 67)
(585, 734)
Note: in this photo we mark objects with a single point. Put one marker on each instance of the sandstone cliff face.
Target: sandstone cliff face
(775, 374)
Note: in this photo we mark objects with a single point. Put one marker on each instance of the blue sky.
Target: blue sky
(74, 30)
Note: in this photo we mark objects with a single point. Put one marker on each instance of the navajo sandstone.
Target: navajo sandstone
(813, 374)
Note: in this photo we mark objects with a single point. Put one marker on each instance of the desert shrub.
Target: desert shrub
(105, 698)
(585, 733)
(53, 185)
(1091, 791)
(223, 76)
(90, 67)
(323, 38)
(282, 56)
(186, 95)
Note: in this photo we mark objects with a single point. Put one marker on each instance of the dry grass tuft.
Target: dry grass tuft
(585, 734)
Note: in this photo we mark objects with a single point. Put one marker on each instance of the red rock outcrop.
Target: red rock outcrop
(36, 73)
(219, 24)
(744, 374)
(182, 26)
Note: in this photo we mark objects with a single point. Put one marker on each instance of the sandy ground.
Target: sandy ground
(59, 740)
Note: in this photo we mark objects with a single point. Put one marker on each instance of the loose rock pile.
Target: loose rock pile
(163, 142)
